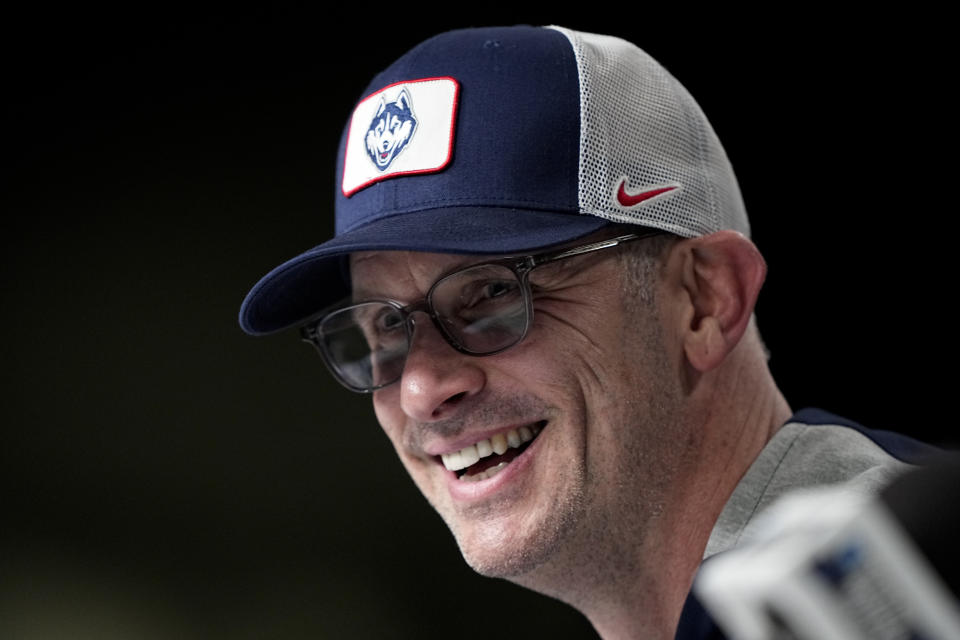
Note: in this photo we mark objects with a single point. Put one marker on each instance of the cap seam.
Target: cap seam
(711, 187)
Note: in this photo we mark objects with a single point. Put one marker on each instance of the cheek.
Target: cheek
(538, 365)
(580, 358)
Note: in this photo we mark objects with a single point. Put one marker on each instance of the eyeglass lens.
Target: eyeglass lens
(480, 310)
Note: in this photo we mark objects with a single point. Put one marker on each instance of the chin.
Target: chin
(513, 548)
(509, 562)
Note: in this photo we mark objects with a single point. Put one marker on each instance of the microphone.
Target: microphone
(831, 564)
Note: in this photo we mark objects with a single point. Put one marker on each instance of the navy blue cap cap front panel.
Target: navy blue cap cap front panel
(510, 183)
(516, 138)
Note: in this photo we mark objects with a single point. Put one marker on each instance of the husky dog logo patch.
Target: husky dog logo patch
(391, 129)
(387, 138)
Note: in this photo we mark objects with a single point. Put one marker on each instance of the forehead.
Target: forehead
(380, 272)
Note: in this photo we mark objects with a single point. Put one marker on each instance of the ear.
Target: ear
(721, 274)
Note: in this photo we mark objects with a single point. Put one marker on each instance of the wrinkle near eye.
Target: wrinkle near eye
(566, 283)
(579, 346)
(565, 321)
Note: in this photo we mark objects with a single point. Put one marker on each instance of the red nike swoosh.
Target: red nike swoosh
(630, 200)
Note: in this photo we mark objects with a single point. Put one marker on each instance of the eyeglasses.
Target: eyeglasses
(480, 310)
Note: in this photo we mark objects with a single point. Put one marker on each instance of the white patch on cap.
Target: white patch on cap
(405, 128)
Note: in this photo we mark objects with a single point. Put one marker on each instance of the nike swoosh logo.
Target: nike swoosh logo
(633, 199)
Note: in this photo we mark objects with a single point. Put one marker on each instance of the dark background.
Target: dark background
(163, 475)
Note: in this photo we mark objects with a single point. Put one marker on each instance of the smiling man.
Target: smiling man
(542, 272)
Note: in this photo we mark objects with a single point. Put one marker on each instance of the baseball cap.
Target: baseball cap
(502, 140)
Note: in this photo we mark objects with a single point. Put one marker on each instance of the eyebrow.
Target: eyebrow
(359, 294)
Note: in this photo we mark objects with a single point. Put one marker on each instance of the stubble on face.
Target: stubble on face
(633, 456)
(637, 443)
(524, 524)
(613, 453)
(609, 450)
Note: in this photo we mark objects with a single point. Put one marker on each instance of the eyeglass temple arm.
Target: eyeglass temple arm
(590, 248)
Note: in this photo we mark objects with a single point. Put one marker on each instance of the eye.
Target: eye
(487, 291)
(387, 321)
(377, 320)
(496, 289)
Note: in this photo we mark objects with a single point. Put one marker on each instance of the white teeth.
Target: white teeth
(453, 461)
(497, 444)
(483, 475)
(469, 455)
(484, 448)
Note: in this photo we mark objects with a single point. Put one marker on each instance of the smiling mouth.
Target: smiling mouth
(488, 457)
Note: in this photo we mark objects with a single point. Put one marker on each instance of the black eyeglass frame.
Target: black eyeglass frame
(521, 266)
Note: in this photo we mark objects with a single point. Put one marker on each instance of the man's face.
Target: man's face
(593, 380)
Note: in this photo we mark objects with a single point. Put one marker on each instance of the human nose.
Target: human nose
(436, 377)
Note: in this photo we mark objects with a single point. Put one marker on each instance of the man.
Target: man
(542, 272)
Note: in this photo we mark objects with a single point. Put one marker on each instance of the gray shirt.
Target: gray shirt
(802, 455)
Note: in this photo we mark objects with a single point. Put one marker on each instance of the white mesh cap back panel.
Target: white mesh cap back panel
(637, 122)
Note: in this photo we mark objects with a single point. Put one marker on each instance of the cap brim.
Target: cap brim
(301, 287)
